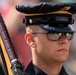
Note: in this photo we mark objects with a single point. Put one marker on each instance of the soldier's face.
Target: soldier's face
(48, 50)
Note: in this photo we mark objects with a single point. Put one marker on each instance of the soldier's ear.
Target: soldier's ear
(30, 39)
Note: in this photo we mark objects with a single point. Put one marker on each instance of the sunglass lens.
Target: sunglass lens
(69, 36)
(53, 36)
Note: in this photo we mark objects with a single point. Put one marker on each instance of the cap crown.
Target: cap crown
(46, 8)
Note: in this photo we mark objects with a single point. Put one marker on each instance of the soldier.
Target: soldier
(49, 33)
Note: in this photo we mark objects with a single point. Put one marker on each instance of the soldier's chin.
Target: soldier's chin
(61, 60)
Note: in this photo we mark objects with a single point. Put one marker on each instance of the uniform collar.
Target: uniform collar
(34, 70)
(40, 72)
(63, 72)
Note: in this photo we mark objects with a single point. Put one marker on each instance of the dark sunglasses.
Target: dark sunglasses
(54, 36)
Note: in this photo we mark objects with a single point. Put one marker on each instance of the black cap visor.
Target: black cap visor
(65, 29)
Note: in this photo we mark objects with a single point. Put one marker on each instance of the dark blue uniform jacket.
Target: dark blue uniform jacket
(34, 70)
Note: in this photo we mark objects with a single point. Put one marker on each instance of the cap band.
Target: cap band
(48, 19)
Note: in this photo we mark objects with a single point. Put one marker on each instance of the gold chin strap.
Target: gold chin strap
(56, 12)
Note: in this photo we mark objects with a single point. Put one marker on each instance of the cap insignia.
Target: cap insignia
(66, 8)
